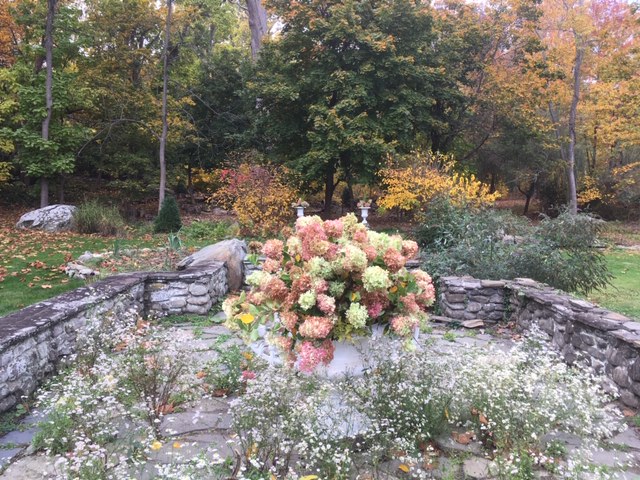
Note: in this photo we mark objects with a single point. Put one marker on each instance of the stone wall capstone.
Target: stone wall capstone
(579, 330)
(36, 340)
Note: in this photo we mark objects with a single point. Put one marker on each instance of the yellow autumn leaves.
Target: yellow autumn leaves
(425, 176)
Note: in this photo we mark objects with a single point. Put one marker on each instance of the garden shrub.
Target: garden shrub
(168, 219)
(492, 244)
(95, 217)
(422, 177)
(259, 195)
(210, 231)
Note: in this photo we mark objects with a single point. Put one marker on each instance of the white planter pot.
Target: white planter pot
(348, 356)
(299, 211)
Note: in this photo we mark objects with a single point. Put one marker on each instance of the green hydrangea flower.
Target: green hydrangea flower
(375, 278)
(357, 315)
(307, 300)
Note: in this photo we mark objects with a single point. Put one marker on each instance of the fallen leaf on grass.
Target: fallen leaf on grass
(46, 285)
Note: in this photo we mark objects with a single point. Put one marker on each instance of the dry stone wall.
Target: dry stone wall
(607, 341)
(36, 340)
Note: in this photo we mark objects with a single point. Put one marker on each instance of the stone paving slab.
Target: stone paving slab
(19, 437)
(629, 438)
(8, 455)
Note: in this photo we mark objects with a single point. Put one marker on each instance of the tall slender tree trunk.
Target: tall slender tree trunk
(329, 186)
(165, 87)
(48, 95)
(571, 163)
(257, 25)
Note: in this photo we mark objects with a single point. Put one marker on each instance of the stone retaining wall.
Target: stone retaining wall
(35, 340)
(606, 340)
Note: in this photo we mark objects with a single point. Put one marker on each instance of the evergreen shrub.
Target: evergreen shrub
(168, 219)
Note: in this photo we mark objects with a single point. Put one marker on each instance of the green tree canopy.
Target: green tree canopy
(345, 83)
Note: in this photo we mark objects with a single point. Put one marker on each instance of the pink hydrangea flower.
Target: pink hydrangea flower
(393, 259)
(326, 304)
(289, 319)
(270, 265)
(310, 356)
(273, 249)
(316, 327)
(333, 228)
(409, 248)
(428, 295)
(276, 289)
(248, 375)
(371, 252)
(376, 302)
(360, 235)
(410, 304)
(403, 325)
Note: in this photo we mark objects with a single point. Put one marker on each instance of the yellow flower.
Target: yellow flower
(156, 445)
(247, 355)
(393, 289)
(298, 257)
(247, 318)
(177, 445)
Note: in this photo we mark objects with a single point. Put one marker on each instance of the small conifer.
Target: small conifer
(168, 219)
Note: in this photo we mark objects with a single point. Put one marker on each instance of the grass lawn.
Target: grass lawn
(32, 263)
(624, 294)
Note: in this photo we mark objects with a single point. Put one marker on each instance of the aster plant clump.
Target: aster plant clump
(330, 281)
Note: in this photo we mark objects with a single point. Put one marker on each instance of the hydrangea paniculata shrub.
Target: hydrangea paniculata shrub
(329, 281)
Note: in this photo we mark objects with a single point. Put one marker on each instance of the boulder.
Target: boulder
(54, 218)
(231, 252)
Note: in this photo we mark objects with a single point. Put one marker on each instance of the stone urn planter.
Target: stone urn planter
(348, 355)
(364, 213)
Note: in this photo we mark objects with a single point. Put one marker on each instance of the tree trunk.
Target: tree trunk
(257, 25)
(571, 164)
(48, 95)
(165, 87)
(44, 192)
(329, 187)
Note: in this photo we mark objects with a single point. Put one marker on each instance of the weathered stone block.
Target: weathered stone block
(199, 300)
(621, 377)
(198, 289)
(455, 297)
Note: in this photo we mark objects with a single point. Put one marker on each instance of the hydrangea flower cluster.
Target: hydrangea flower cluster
(331, 280)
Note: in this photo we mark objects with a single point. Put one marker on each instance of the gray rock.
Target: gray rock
(232, 252)
(54, 218)
(476, 467)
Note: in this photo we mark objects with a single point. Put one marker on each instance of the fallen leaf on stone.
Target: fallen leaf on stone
(462, 438)
(201, 374)
(628, 412)
(166, 408)
(404, 467)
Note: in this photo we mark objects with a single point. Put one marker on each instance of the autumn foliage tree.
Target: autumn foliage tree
(345, 83)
